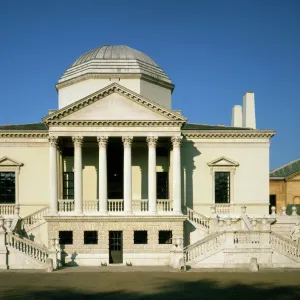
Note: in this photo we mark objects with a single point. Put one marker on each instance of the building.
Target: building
(285, 185)
(115, 175)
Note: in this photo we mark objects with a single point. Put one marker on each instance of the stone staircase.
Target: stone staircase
(234, 248)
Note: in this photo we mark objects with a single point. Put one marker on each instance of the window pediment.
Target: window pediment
(223, 162)
(9, 162)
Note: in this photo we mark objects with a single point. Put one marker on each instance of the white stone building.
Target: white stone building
(114, 175)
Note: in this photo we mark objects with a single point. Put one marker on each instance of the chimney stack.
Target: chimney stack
(249, 119)
(237, 116)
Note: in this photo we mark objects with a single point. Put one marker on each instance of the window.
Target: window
(141, 237)
(222, 187)
(272, 202)
(66, 237)
(165, 237)
(90, 237)
(7, 187)
(68, 185)
(162, 183)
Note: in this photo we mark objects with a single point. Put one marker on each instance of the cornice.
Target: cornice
(240, 134)
(148, 78)
(24, 134)
(158, 219)
(113, 88)
(114, 123)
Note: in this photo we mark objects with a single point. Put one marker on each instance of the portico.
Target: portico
(61, 203)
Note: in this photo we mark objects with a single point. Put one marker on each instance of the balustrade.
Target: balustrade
(66, 205)
(27, 247)
(246, 238)
(223, 208)
(140, 205)
(7, 209)
(115, 205)
(90, 206)
(197, 218)
(164, 205)
(34, 218)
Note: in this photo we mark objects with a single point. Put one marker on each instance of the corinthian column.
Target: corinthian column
(77, 141)
(127, 142)
(152, 142)
(102, 142)
(53, 186)
(176, 141)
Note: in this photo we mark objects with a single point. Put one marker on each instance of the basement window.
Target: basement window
(66, 237)
(140, 237)
(165, 237)
(90, 237)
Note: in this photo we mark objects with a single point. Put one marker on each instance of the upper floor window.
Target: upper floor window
(222, 187)
(68, 185)
(7, 187)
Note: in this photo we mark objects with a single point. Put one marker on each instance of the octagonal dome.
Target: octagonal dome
(115, 60)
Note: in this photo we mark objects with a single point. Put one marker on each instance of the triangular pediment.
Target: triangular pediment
(8, 162)
(223, 162)
(114, 103)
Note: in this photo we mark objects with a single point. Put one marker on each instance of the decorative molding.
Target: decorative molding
(113, 88)
(120, 76)
(102, 141)
(152, 141)
(19, 134)
(77, 141)
(223, 162)
(176, 141)
(6, 161)
(127, 141)
(240, 134)
(118, 219)
(114, 123)
(53, 141)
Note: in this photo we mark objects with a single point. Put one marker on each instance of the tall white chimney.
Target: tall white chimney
(249, 119)
(237, 116)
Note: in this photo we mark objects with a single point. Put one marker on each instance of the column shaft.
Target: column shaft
(127, 190)
(53, 186)
(152, 141)
(78, 140)
(176, 141)
(102, 142)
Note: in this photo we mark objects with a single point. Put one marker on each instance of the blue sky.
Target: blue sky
(214, 51)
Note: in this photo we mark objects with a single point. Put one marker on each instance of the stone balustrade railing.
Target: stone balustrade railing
(246, 238)
(34, 218)
(283, 211)
(27, 247)
(285, 246)
(90, 206)
(223, 208)
(197, 218)
(66, 205)
(7, 209)
(115, 205)
(204, 248)
(140, 205)
(164, 205)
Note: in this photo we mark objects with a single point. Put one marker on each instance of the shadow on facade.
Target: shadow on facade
(89, 288)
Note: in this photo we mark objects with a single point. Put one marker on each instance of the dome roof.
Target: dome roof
(106, 60)
(114, 53)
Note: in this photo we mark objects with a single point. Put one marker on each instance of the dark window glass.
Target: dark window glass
(7, 187)
(222, 187)
(141, 237)
(66, 237)
(162, 151)
(165, 237)
(68, 185)
(272, 202)
(91, 237)
(162, 184)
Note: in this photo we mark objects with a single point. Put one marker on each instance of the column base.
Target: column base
(152, 212)
(103, 213)
(78, 212)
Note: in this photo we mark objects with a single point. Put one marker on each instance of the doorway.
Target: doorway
(115, 247)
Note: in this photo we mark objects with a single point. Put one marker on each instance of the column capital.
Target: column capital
(176, 141)
(102, 141)
(77, 141)
(152, 141)
(53, 141)
(127, 141)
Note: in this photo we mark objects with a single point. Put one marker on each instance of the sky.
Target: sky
(214, 51)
